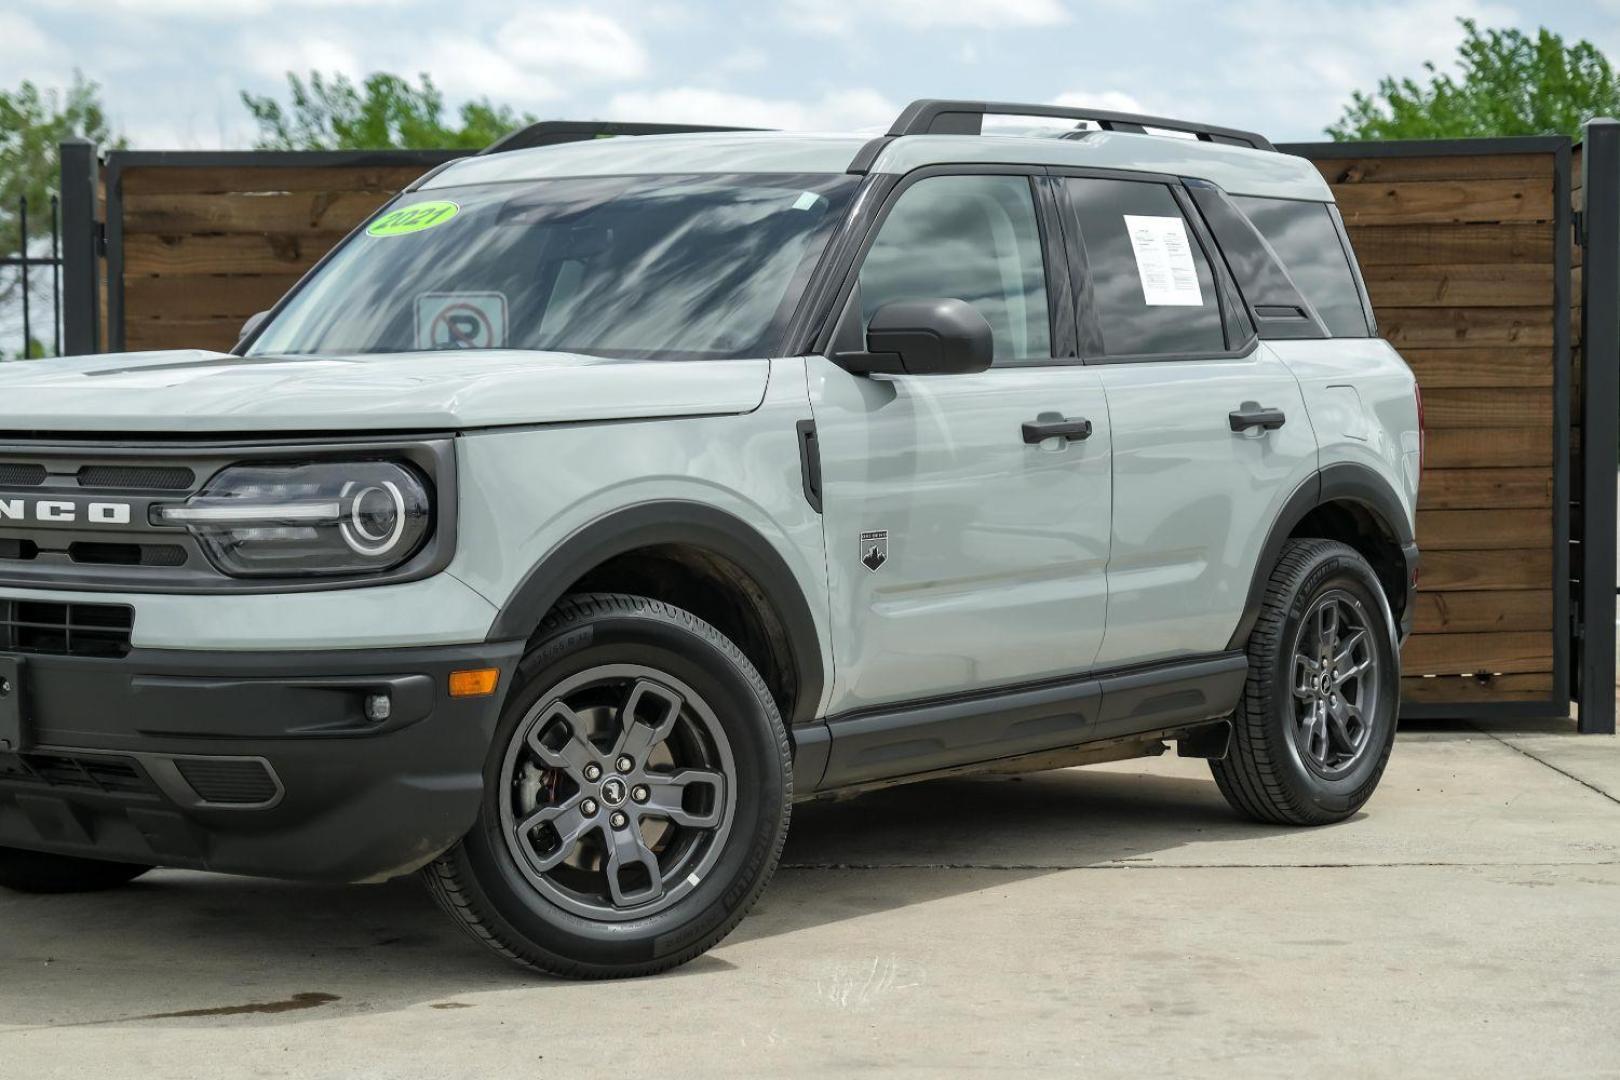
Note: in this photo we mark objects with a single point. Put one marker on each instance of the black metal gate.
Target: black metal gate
(30, 270)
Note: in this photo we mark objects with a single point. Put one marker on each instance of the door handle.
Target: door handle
(1056, 426)
(1251, 414)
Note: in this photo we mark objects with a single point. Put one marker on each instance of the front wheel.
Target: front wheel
(1316, 723)
(38, 872)
(637, 796)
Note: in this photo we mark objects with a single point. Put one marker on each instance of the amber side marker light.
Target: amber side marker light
(478, 682)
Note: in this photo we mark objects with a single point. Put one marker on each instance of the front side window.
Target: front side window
(640, 267)
(1151, 287)
(969, 238)
(1305, 239)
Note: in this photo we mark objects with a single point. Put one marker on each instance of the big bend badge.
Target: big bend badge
(875, 549)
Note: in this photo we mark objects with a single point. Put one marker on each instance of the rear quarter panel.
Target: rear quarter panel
(1361, 399)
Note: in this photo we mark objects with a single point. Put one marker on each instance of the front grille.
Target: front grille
(89, 553)
(137, 477)
(229, 781)
(56, 629)
(82, 771)
(12, 475)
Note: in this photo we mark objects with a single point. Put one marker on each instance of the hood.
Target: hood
(194, 391)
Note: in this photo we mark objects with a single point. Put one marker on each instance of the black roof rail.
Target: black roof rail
(555, 132)
(932, 116)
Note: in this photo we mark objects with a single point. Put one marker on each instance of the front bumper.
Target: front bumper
(249, 763)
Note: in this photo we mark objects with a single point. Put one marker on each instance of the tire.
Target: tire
(611, 678)
(37, 872)
(1299, 755)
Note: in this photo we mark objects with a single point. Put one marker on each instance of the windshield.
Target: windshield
(667, 267)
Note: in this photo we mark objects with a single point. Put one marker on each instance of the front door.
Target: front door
(960, 556)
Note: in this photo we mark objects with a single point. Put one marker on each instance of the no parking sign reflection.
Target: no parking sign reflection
(472, 320)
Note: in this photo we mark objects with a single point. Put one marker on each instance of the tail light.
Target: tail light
(1423, 431)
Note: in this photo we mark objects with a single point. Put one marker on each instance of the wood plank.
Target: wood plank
(1483, 612)
(320, 212)
(242, 179)
(216, 334)
(239, 253)
(1505, 365)
(1484, 448)
(1440, 690)
(1435, 328)
(1353, 170)
(1513, 568)
(1451, 245)
(1445, 201)
(1460, 285)
(1485, 489)
(1465, 654)
(191, 298)
(1474, 407)
(1475, 530)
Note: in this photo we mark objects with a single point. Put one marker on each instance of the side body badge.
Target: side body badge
(875, 549)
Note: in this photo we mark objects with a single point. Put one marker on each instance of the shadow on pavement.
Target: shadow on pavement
(179, 943)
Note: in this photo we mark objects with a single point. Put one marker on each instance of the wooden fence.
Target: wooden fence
(1465, 247)
(199, 242)
(1466, 251)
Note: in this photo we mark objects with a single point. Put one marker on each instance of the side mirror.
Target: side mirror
(923, 337)
(252, 324)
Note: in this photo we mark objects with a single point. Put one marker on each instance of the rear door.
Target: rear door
(960, 556)
(1210, 431)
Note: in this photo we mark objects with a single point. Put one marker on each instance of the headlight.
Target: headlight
(314, 519)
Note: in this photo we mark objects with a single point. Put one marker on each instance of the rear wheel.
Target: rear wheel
(37, 872)
(637, 796)
(1316, 723)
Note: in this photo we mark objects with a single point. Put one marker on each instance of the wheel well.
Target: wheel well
(1355, 524)
(716, 590)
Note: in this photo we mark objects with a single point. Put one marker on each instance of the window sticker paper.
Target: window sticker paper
(1164, 261)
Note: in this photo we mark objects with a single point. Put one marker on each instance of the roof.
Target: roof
(720, 152)
(1237, 169)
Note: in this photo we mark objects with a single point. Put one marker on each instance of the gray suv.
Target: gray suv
(594, 502)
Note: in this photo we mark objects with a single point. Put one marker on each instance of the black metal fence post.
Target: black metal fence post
(1600, 420)
(22, 231)
(81, 249)
(56, 275)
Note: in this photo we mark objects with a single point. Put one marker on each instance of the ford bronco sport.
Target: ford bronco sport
(594, 502)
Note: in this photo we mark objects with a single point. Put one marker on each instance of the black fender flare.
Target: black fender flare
(1343, 481)
(674, 522)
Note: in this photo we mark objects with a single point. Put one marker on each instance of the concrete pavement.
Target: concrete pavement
(1117, 920)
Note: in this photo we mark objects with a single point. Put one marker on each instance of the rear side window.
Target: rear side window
(971, 238)
(1151, 288)
(1304, 238)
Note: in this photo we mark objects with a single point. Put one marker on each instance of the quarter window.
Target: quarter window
(1151, 287)
(970, 238)
(1304, 238)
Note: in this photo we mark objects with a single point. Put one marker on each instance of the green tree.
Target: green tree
(384, 112)
(33, 123)
(1509, 84)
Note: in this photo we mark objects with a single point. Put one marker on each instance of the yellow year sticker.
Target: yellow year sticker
(413, 218)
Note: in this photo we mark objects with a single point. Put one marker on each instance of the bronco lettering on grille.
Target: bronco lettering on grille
(61, 512)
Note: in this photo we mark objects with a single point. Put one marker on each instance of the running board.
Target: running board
(944, 734)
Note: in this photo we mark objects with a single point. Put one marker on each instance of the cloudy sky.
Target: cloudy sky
(172, 69)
